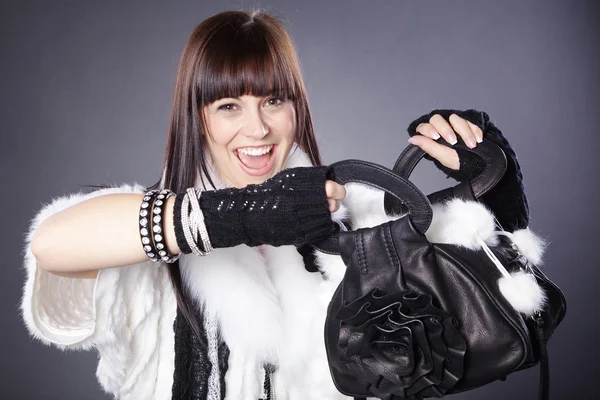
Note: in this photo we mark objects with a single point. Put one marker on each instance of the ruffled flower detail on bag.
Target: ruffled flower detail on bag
(401, 345)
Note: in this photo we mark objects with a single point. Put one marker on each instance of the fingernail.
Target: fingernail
(471, 143)
(452, 140)
(411, 140)
(436, 136)
(479, 139)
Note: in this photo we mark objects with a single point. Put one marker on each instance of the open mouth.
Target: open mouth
(258, 160)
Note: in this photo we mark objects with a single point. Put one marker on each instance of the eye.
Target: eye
(275, 101)
(227, 107)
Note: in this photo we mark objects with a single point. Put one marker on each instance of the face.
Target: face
(249, 137)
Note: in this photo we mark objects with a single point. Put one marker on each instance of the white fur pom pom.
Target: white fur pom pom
(461, 222)
(522, 292)
(530, 245)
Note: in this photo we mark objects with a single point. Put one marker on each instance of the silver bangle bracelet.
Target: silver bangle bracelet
(189, 224)
(198, 218)
(187, 231)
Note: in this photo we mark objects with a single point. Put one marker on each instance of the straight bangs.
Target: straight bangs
(246, 61)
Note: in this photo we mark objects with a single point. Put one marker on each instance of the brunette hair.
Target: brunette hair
(230, 54)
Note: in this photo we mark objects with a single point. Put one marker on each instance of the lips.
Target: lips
(256, 165)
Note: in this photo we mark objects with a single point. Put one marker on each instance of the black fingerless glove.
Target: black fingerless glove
(507, 199)
(288, 209)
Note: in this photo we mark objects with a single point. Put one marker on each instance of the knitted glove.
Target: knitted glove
(288, 209)
(507, 199)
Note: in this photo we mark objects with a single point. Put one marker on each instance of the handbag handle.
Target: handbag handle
(495, 168)
(384, 179)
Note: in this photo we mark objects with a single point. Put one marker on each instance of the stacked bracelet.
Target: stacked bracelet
(193, 223)
(145, 215)
(198, 219)
(158, 226)
(151, 226)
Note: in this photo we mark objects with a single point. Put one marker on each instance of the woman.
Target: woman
(240, 121)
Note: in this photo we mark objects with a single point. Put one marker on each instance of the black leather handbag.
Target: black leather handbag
(413, 319)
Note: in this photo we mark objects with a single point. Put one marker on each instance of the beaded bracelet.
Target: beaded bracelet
(147, 243)
(158, 226)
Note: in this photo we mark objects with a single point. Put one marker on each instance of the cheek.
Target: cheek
(221, 133)
(287, 125)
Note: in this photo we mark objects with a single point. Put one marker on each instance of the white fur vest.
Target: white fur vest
(262, 302)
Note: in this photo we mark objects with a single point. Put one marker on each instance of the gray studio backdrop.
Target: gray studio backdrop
(86, 89)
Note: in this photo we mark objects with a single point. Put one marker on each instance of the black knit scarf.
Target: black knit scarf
(192, 366)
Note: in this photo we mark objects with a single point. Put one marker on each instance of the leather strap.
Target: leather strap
(491, 153)
(377, 176)
(544, 390)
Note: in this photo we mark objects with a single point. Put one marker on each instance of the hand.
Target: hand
(335, 192)
(470, 133)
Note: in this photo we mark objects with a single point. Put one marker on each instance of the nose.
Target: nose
(255, 125)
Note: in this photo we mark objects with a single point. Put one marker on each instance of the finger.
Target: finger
(334, 190)
(444, 128)
(428, 130)
(334, 205)
(444, 154)
(461, 126)
(477, 131)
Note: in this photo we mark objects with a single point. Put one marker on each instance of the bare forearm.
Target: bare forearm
(101, 232)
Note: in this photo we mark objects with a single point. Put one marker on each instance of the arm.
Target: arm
(102, 232)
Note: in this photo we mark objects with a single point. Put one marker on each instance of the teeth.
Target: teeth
(253, 151)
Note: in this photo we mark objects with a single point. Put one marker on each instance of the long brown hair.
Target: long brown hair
(230, 54)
